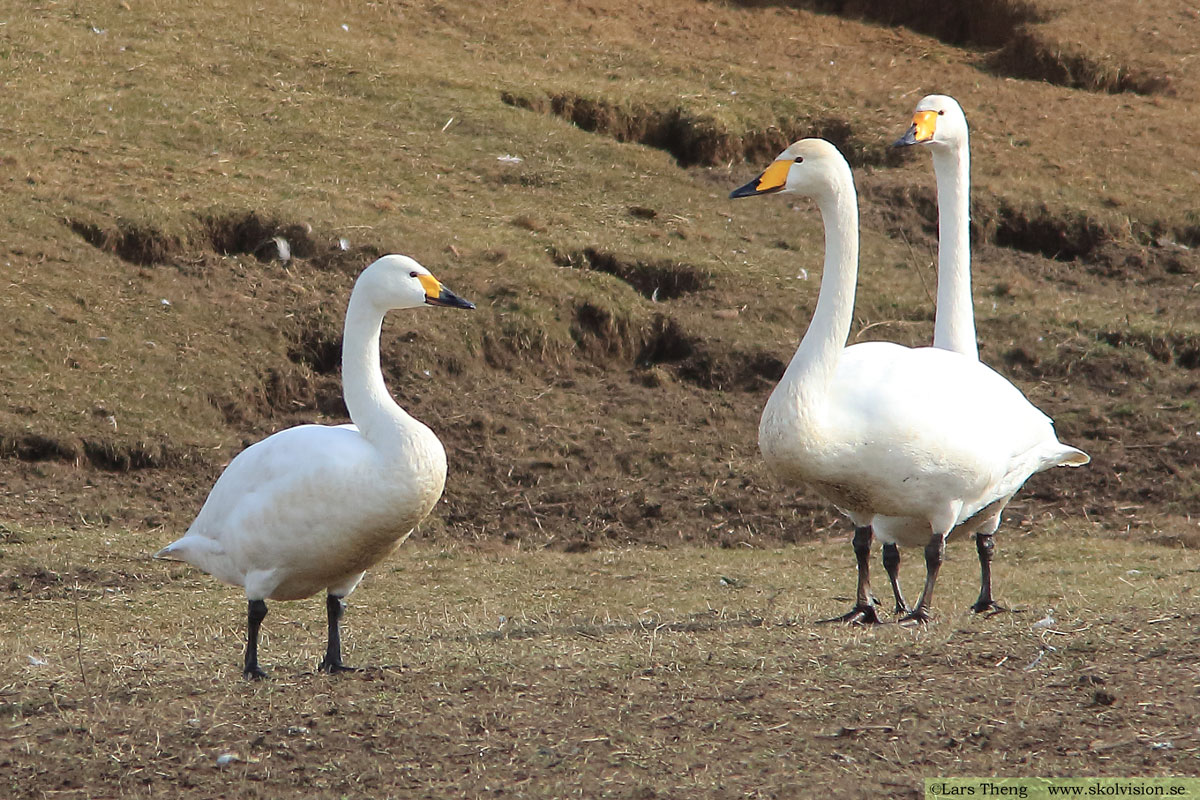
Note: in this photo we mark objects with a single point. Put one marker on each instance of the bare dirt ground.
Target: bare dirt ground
(614, 598)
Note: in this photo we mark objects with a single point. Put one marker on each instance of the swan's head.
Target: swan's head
(811, 167)
(937, 121)
(397, 281)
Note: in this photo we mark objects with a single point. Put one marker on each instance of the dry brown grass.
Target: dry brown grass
(622, 673)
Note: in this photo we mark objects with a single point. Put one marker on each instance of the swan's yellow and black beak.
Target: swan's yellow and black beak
(773, 179)
(923, 125)
(438, 295)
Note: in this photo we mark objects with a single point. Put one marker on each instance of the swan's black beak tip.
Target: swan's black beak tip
(908, 139)
(754, 189)
(449, 299)
(745, 191)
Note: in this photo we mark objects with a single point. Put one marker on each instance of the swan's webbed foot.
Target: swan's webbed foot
(859, 615)
(863, 612)
(253, 672)
(918, 616)
(989, 607)
(334, 667)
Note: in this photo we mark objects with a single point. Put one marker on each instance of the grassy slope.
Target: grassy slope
(388, 133)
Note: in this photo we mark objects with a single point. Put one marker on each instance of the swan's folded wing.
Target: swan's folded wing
(938, 413)
(293, 468)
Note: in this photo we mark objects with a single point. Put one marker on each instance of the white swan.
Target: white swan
(312, 507)
(939, 123)
(903, 439)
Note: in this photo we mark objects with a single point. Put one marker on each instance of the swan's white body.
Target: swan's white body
(910, 441)
(921, 456)
(312, 507)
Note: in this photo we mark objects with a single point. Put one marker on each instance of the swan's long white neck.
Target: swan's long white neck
(954, 324)
(816, 359)
(371, 406)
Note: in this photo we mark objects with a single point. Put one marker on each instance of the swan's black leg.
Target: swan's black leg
(986, 546)
(933, 562)
(256, 611)
(333, 650)
(864, 603)
(891, 562)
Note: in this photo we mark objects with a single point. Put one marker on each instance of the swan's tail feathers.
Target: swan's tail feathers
(1073, 457)
(189, 548)
(170, 552)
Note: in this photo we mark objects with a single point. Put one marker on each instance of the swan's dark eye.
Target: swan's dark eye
(799, 159)
(941, 113)
(412, 274)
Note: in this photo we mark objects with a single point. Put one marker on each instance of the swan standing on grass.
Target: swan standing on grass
(904, 439)
(312, 507)
(939, 123)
